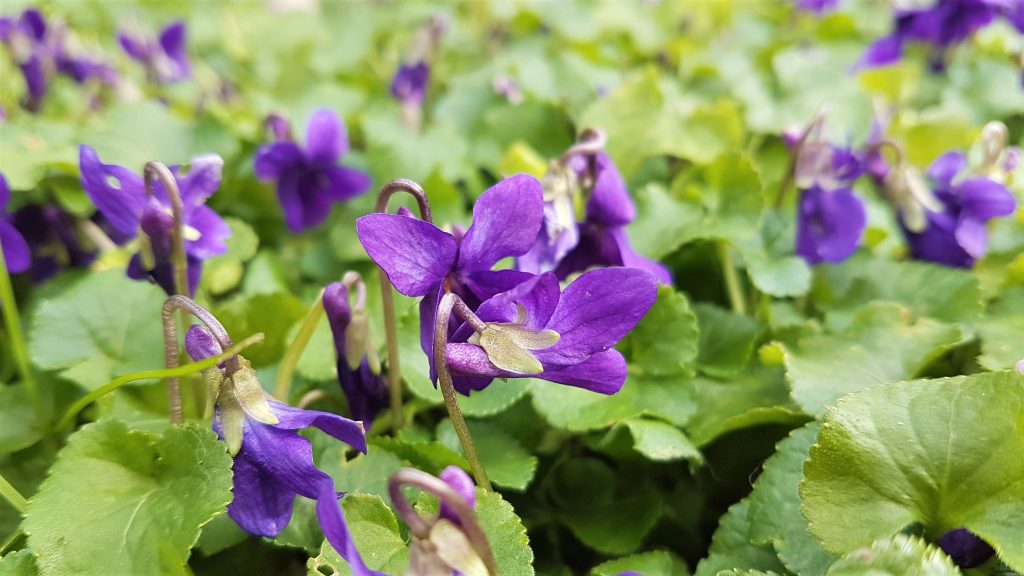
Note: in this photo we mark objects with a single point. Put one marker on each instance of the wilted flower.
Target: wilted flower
(955, 232)
(536, 330)
(16, 253)
(942, 26)
(966, 549)
(309, 180)
(273, 462)
(129, 210)
(165, 58)
(357, 362)
(53, 240)
(422, 260)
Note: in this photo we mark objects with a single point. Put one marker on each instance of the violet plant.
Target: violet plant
(165, 58)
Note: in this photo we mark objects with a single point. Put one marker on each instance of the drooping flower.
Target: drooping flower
(17, 255)
(966, 549)
(358, 366)
(830, 217)
(409, 85)
(273, 463)
(128, 210)
(536, 330)
(52, 239)
(309, 180)
(942, 25)
(955, 232)
(422, 260)
(165, 58)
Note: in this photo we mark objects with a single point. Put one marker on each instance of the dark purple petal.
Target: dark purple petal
(367, 393)
(283, 454)
(348, 431)
(200, 344)
(539, 296)
(829, 225)
(410, 83)
(346, 183)
(414, 254)
(506, 221)
(459, 481)
(273, 161)
(483, 284)
(471, 360)
(213, 234)
(5, 194)
(332, 522)
(985, 199)
(966, 549)
(604, 373)
(135, 48)
(428, 316)
(339, 315)
(33, 22)
(118, 193)
(937, 242)
(17, 255)
(946, 167)
(172, 41)
(326, 138)
(289, 195)
(596, 311)
(262, 504)
(610, 203)
(885, 51)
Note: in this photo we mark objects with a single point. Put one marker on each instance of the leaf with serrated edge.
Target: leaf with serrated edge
(897, 556)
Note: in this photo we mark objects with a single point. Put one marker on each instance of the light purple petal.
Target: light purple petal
(202, 180)
(604, 373)
(17, 254)
(213, 234)
(118, 193)
(200, 344)
(326, 138)
(332, 522)
(135, 48)
(472, 360)
(972, 235)
(946, 167)
(275, 160)
(985, 199)
(346, 183)
(506, 221)
(539, 296)
(262, 504)
(414, 254)
(348, 431)
(459, 481)
(885, 51)
(596, 311)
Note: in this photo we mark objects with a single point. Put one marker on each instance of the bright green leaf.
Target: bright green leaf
(507, 463)
(731, 547)
(374, 530)
(897, 556)
(661, 441)
(660, 562)
(726, 340)
(665, 340)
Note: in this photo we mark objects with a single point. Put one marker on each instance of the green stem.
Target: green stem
(18, 347)
(11, 494)
(444, 378)
(291, 356)
(733, 286)
(166, 373)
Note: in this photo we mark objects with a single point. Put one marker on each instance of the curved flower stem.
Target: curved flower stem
(18, 347)
(11, 494)
(420, 528)
(179, 302)
(152, 172)
(190, 368)
(387, 300)
(294, 352)
(590, 142)
(733, 286)
(444, 377)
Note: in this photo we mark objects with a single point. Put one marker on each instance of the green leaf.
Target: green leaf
(374, 530)
(726, 340)
(271, 314)
(659, 562)
(939, 454)
(507, 463)
(774, 514)
(882, 344)
(727, 197)
(660, 441)
(665, 340)
(223, 273)
(746, 573)
(732, 547)
(103, 326)
(318, 362)
(1002, 344)
(779, 276)
(145, 496)
(431, 457)
(18, 426)
(897, 556)
(365, 473)
(20, 563)
(494, 399)
(504, 530)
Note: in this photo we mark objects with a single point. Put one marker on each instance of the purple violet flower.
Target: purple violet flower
(603, 240)
(272, 462)
(165, 58)
(463, 485)
(943, 25)
(128, 210)
(817, 6)
(309, 181)
(579, 326)
(956, 236)
(422, 260)
(17, 255)
(53, 240)
(966, 549)
(358, 366)
(409, 85)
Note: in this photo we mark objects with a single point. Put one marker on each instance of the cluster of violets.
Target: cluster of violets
(944, 218)
(43, 49)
